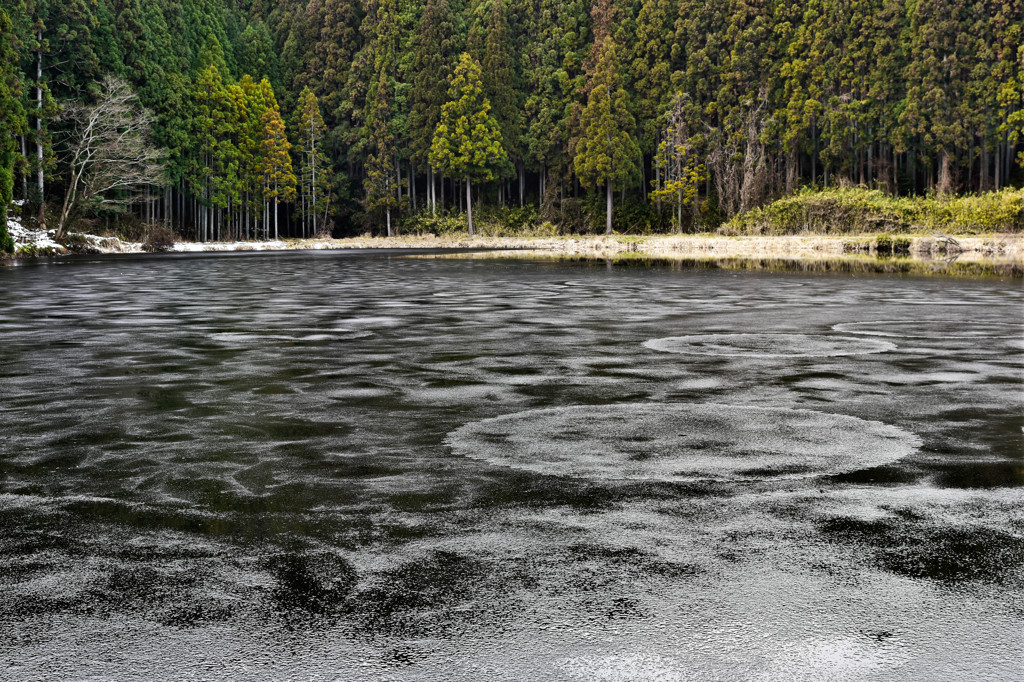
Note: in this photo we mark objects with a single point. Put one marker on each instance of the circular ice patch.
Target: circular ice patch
(953, 328)
(682, 442)
(768, 345)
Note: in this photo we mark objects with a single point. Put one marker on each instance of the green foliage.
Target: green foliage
(904, 96)
(557, 45)
(433, 59)
(314, 168)
(859, 211)
(494, 221)
(276, 163)
(381, 181)
(607, 150)
(499, 83)
(12, 122)
(467, 141)
(680, 170)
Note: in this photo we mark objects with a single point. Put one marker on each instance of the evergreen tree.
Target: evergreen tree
(500, 82)
(382, 185)
(314, 170)
(651, 67)
(607, 151)
(904, 95)
(12, 122)
(380, 195)
(256, 99)
(432, 64)
(278, 178)
(333, 50)
(206, 97)
(467, 141)
(556, 68)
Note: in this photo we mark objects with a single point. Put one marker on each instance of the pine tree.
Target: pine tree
(314, 170)
(380, 195)
(556, 67)
(278, 178)
(500, 82)
(651, 66)
(256, 99)
(12, 122)
(381, 190)
(467, 141)
(936, 79)
(336, 42)
(207, 98)
(607, 152)
(431, 66)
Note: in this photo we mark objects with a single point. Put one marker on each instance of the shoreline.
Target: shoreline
(993, 249)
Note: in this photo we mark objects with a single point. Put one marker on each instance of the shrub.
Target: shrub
(859, 211)
(76, 243)
(158, 239)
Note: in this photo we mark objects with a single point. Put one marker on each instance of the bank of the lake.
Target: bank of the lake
(1009, 248)
(811, 224)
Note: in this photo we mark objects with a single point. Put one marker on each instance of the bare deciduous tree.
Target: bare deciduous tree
(110, 153)
(739, 160)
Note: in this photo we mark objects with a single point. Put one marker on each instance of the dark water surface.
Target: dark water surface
(367, 467)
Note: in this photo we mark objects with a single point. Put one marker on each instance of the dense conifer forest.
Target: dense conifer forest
(256, 118)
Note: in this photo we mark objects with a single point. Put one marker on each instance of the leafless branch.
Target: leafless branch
(110, 153)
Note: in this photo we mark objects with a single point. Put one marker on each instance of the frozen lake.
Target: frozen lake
(351, 466)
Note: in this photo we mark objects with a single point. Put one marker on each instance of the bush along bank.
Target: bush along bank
(864, 211)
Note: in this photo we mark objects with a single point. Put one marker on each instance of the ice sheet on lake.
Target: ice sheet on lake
(685, 442)
(955, 327)
(768, 345)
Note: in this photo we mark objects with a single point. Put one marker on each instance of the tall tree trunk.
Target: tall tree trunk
(945, 181)
(398, 180)
(970, 164)
(1008, 158)
(40, 182)
(388, 212)
(895, 173)
(870, 157)
(657, 181)
(412, 186)
(312, 180)
(24, 168)
(431, 188)
(643, 179)
(983, 169)
(679, 211)
(814, 155)
(999, 165)
(469, 206)
(608, 209)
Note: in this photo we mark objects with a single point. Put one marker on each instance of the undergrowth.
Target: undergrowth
(863, 211)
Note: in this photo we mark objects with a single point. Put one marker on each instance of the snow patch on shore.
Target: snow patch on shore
(199, 247)
(23, 237)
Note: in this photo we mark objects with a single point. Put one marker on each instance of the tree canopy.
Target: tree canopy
(563, 99)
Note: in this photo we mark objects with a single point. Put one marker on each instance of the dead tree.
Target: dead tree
(110, 154)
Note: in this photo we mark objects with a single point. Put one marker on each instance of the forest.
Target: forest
(255, 119)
